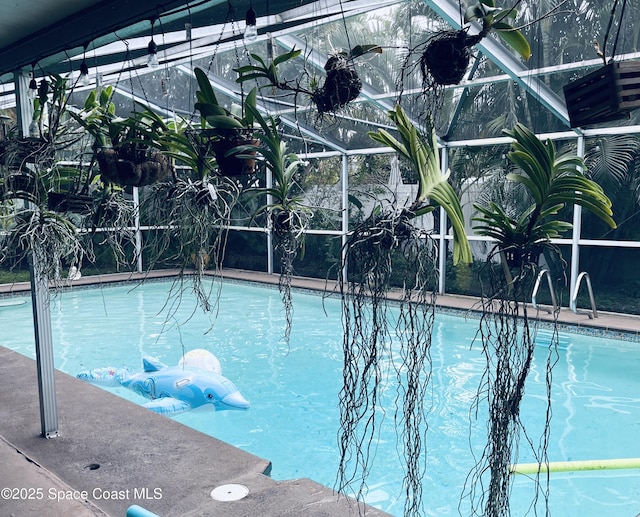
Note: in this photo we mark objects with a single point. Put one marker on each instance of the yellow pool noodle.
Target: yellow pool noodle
(574, 466)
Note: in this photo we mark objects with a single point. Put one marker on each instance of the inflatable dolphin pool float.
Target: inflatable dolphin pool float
(196, 382)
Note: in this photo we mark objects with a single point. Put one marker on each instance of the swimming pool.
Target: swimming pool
(293, 389)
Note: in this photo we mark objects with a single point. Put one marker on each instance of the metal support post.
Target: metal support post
(576, 232)
(39, 293)
(138, 231)
(344, 177)
(269, 180)
(442, 244)
(44, 347)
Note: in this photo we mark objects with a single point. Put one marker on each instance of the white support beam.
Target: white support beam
(344, 176)
(442, 242)
(24, 105)
(575, 233)
(40, 299)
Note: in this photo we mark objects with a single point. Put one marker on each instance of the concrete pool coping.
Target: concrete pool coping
(111, 454)
(142, 455)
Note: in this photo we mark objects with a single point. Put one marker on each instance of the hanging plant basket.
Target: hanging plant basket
(125, 168)
(609, 93)
(517, 257)
(341, 86)
(19, 182)
(16, 152)
(446, 57)
(68, 202)
(229, 164)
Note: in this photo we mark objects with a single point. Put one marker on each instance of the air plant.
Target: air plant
(48, 239)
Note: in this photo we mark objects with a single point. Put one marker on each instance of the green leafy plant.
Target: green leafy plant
(433, 186)
(213, 114)
(287, 214)
(191, 207)
(506, 333)
(282, 164)
(552, 181)
(267, 71)
(223, 130)
(500, 21)
(387, 240)
(123, 147)
(98, 117)
(50, 110)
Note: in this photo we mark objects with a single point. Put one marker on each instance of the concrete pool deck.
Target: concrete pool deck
(111, 455)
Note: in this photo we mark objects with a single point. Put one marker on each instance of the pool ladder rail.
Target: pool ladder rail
(554, 302)
(574, 297)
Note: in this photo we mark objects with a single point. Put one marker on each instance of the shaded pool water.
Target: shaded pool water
(293, 389)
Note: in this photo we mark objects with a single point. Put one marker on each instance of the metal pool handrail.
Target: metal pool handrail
(574, 296)
(544, 272)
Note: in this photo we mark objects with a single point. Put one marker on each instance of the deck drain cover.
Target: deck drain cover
(229, 492)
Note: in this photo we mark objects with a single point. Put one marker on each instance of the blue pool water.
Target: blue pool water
(293, 389)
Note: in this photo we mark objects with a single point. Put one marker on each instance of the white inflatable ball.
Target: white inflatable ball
(202, 359)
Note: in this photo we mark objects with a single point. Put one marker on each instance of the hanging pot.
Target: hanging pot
(67, 202)
(609, 93)
(341, 86)
(229, 164)
(21, 181)
(517, 257)
(17, 152)
(281, 221)
(446, 57)
(132, 170)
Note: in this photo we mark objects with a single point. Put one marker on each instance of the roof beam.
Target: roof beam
(97, 23)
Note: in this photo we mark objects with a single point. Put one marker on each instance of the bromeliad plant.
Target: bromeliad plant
(507, 335)
(389, 238)
(288, 217)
